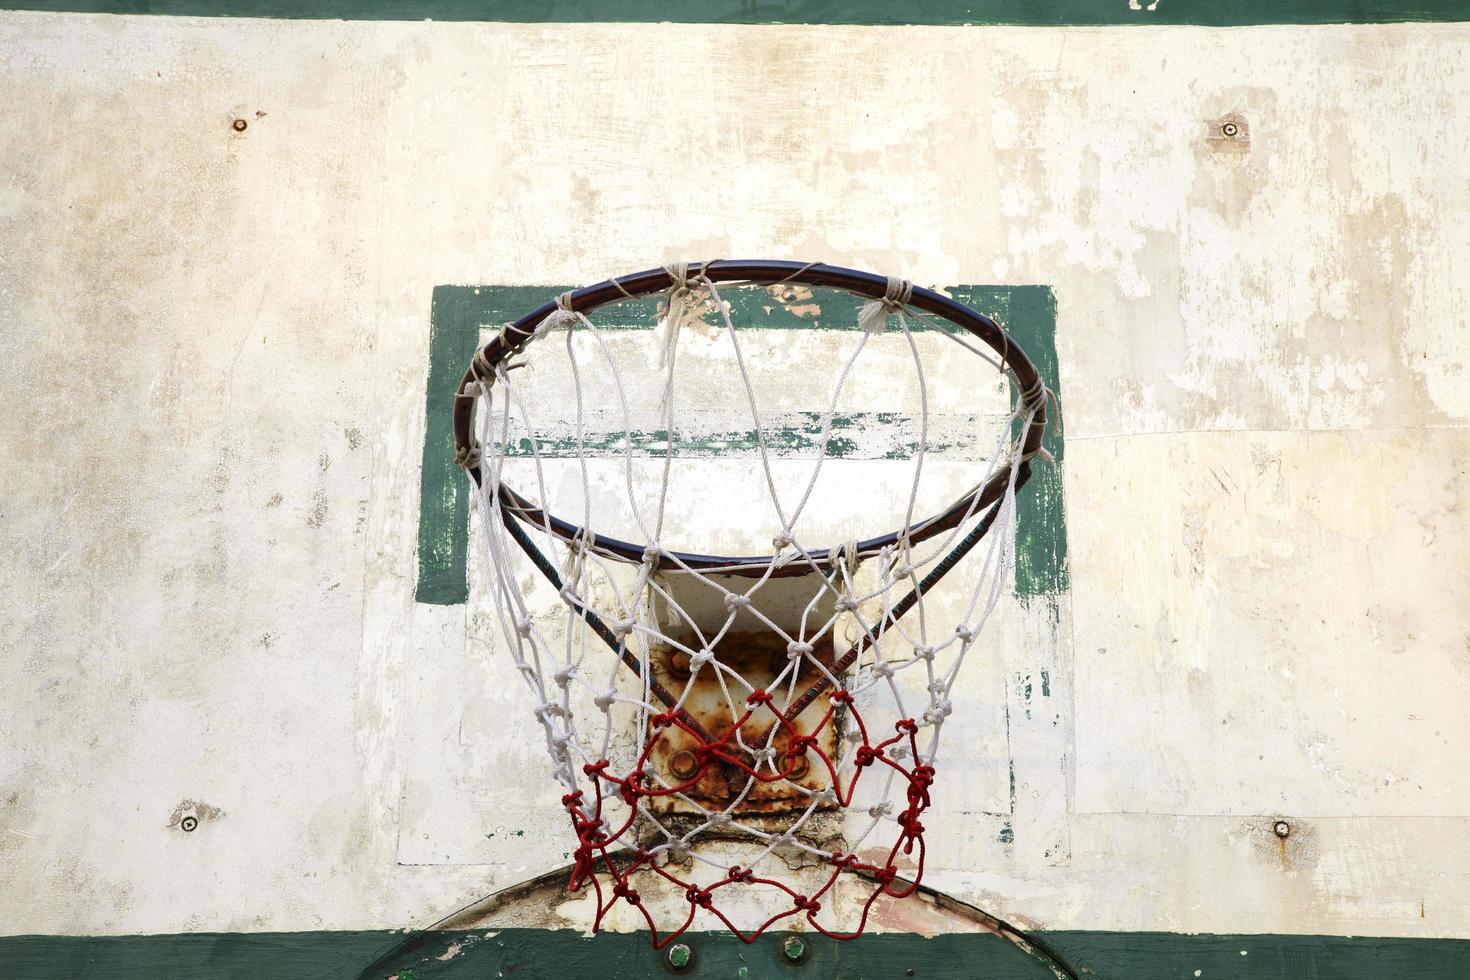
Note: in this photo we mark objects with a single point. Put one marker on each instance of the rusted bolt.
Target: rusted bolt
(795, 764)
(1283, 829)
(239, 125)
(189, 823)
(679, 957)
(793, 948)
(679, 663)
(684, 764)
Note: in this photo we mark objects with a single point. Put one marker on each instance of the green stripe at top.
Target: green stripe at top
(1216, 13)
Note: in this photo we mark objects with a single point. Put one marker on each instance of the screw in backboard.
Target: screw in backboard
(793, 948)
(679, 957)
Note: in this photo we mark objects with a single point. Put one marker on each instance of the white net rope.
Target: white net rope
(716, 726)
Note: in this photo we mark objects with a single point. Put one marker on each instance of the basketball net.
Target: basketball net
(733, 761)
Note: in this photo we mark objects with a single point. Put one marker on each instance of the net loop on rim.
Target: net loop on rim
(724, 733)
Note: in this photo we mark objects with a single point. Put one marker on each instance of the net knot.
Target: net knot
(795, 650)
(938, 711)
(912, 829)
(882, 669)
(621, 628)
(720, 819)
(800, 743)
(699, 896)
(824, 797)
(467, 457)
(734, 600)
(563, 315)
(758, 697)
(630, 788)
(808, 905)
(880, 809)
(523, 626)
(873, 317)
(865, 756)
(661, 720)
(547, 711)
(605, 700)
(966, 635)
(596, 769)
(621, 889)
(846, 602)
(925, 653)
(906, 726)
(570, 800)
(840, 697)
(699, 658)
(651, 554)
(481, 366)
(563, 675)
(737, 873)
(781, 541)
(679, 276)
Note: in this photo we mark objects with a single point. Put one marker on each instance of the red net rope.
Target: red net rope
(614, 877)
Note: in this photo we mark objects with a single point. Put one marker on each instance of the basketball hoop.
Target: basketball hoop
(769, 718)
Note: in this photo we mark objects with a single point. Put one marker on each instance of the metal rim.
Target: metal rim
(759, 272)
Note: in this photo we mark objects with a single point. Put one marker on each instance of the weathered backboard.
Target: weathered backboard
(253, 684)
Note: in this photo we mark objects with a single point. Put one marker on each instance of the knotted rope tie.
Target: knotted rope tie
(1038, 392)
(681, 302)
(467, 457)
(873, 317)
(563, 315)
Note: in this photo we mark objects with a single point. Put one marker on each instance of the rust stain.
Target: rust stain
(189, 814)
(1230, 133)
(712, 782)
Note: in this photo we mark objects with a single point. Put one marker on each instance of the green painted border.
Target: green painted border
(532, 954)
(459, 313)
(1214, 13)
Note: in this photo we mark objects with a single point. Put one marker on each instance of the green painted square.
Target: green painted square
(459, 313)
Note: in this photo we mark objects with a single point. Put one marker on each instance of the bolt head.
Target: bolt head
(189, 823)
(793, 948)
(684, 764)
(680, 956)
(795, 764)
(1282, 829)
